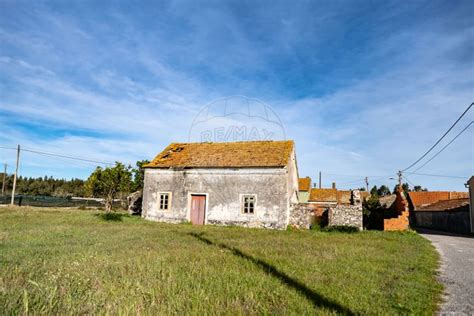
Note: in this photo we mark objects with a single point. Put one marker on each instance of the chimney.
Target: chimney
(334, 185)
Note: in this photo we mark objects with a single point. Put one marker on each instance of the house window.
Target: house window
(164, 201)
(248, 204)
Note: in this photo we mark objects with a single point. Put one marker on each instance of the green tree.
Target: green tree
(374, 191)
(405, 188)
(139, 175)
(108, 182)
(383, 190)
(372, 211)
(418, 188)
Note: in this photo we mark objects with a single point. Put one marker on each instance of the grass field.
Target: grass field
(74, 261)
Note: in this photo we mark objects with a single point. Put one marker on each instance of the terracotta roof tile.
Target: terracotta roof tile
(304, 184)
(447, 205)
(224, 155)
(430, 197)
(344, 197)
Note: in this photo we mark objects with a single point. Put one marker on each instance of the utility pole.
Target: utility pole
(16, 174)
(367, 184)
(320, 179)
(399, 173)
(4, 179)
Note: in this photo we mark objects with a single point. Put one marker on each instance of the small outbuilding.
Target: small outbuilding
(249, 184)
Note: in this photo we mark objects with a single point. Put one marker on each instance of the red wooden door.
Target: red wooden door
(198, 208)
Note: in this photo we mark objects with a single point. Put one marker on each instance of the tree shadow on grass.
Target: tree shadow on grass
(111, 217)
(317, 299)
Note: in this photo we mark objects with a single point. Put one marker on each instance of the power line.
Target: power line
(439, 152)
(350, 175)
(67, 157)
(432, 147)
(436, 175)
(405, 177)
(362, 180)
(1, 147)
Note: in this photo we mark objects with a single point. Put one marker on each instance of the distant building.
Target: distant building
(304, 186)
(441, 210)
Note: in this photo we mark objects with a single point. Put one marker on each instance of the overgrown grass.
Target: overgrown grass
(57, 261)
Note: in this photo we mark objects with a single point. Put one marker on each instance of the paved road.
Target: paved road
(457, 271)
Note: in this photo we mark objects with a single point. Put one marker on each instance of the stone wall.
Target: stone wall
(347, 215)
(301, 215)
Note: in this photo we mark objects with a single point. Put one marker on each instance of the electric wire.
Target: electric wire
(442, 149)
(439, 140)
(435, 175)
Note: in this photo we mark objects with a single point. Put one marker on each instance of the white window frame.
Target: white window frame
(242, 203)
(170, 195)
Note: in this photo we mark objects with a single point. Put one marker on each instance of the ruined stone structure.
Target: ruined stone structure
(249, 184)
(301, 215)
(347, 214)
(134, 202)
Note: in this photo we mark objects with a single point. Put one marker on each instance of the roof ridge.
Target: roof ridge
(236, 142)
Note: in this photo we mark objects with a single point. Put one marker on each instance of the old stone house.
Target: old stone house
(249, 184)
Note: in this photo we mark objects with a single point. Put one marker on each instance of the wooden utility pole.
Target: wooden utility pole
(4, 180)
(320, 179)
(16, 174)
(367, 184)
(399, 173)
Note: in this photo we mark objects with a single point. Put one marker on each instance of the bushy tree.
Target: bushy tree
(44, 186)
(383, 190)
(109, 182)
(418, 188)
(405, 188)
(372, 212)
(139, 175)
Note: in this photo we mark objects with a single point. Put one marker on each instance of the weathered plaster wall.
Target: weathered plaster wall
(223, 188)
(450, 221)
(303, 196)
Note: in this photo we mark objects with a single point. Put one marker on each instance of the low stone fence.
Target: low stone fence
(301, 215)
(449, 221)
(346, 215)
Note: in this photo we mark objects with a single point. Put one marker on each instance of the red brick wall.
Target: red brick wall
(401, 222)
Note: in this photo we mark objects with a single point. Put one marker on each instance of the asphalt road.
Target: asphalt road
(457, 271)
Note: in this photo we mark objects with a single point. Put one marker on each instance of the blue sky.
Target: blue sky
(363, 87)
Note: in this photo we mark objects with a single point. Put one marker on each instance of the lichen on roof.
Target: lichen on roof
(323, 195)
(224, 155)
(304, 184)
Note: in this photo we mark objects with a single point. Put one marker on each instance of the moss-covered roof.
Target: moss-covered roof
(304, 184)
(323, 195)
(224, 155)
